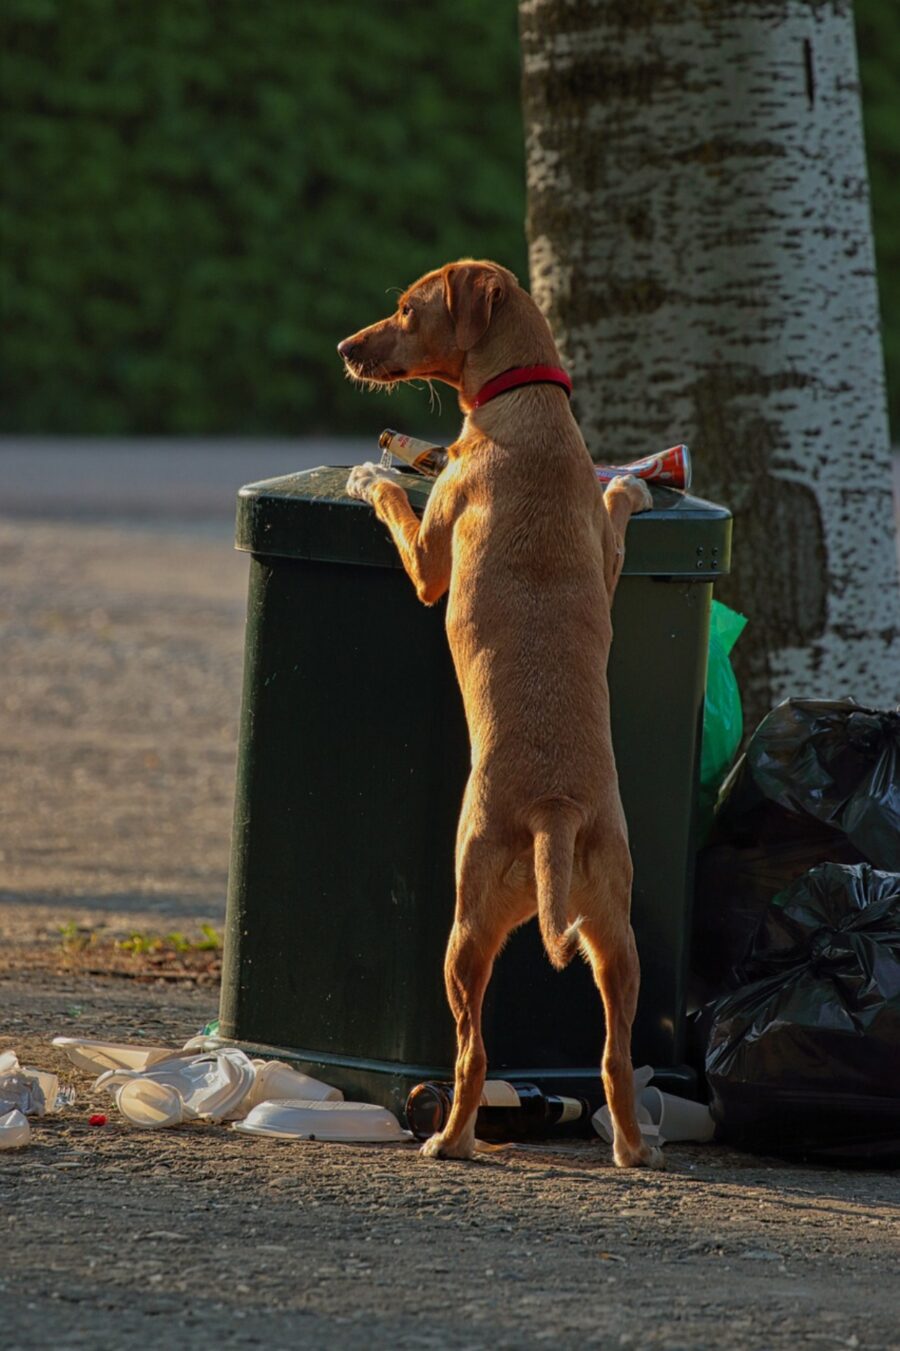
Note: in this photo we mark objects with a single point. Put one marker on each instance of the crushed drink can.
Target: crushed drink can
(670, 467)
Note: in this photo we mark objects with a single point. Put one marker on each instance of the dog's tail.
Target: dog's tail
(555, 826)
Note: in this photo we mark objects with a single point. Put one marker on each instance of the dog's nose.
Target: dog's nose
(346, 348)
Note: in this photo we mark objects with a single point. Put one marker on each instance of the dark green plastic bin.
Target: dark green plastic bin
(353, 756)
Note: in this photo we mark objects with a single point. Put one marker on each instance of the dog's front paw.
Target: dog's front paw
(438, 1147)
(636, 490)
(362, 480)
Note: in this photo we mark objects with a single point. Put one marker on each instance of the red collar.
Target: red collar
(521, 375)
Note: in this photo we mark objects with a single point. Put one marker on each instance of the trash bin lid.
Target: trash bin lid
(308, 515)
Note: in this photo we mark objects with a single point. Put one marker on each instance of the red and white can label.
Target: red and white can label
(671, 467)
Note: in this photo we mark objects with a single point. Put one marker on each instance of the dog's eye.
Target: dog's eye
(406, 311)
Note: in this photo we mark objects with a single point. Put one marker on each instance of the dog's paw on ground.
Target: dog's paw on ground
(649, 1156)
(439, 1148)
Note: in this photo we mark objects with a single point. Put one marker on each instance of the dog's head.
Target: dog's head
(438, 320)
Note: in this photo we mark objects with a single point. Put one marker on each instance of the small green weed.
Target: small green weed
(140, 944)
(75, 938)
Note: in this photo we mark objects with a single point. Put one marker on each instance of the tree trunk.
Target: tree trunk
(700, 241)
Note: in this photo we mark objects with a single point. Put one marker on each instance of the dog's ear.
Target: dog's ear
(471, 291)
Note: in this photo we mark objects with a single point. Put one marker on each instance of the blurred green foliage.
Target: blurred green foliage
(201, 197)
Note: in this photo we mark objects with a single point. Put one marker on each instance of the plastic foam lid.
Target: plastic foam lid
(299, 1119)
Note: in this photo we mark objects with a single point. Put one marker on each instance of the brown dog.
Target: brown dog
(518, 530)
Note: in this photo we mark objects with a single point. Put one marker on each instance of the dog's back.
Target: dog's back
(529, 616)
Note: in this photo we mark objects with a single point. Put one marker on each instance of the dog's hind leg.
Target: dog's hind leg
(482, 923)
(608, 941)
(617, 975)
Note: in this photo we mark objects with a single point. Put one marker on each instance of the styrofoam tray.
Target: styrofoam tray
(347, 1122)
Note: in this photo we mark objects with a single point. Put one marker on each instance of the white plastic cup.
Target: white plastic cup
(150, 1105)
(276, 1080)
(48, 1084)
(603, 1124)
(14, 1130)
(678, 1119)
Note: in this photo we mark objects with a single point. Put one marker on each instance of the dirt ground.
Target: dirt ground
(118, 705)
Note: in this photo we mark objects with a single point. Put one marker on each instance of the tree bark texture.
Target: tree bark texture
(700, 241)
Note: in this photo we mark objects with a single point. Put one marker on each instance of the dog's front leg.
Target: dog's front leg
(424, 546)
(624, 496)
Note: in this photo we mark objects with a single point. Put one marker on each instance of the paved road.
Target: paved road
(182, 481)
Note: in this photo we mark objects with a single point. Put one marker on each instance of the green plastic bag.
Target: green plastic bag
(723, 722)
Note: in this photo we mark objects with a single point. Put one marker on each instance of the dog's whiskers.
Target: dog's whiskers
(369, 383)
(433, 394)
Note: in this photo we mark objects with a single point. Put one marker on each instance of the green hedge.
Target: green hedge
(200, 197)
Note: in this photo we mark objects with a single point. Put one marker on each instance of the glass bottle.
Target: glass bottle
(423, 456)
(508, 1111)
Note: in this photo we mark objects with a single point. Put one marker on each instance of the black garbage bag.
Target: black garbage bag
(819, 782)
(803, 1059)
(832, 761)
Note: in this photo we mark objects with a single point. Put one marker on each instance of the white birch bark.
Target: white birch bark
(700, 240)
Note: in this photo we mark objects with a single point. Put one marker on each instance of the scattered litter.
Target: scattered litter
(207, 1039)
(678, 1119)
(276, 1080)
(182, 1088)
(662, 1117)
(359, 1122)
(96, 1056)
(204, 1042)
(15, 1132)
(30, 1091)
(157, 1087)
(602, 1119)
(149, 1104)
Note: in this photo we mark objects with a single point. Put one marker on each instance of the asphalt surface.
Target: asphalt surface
(181, 482)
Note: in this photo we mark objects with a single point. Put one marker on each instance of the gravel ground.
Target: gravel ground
(203, 1237)
(118, 704)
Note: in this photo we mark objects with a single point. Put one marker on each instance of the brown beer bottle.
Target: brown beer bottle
(507, 1112)
(422, 456)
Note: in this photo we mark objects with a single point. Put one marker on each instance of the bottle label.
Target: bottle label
(571, 1110)
(424, 456)
(498, 1093)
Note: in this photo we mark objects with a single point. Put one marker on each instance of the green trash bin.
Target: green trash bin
(352, 760)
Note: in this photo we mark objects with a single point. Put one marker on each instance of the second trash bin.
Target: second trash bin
(352, 760)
